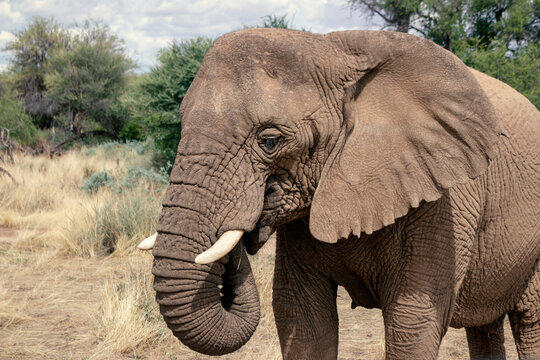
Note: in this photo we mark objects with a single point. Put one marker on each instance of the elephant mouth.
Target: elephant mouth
(273, 201)
(278, 208)
(254, 240)
(273, 193)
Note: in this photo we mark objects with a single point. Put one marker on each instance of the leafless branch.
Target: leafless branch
(372, 8)
(4, 171)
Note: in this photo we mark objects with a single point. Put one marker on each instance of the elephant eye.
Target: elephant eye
(269, 139)
(269, 144)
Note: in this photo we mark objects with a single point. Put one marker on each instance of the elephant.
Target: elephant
(383, 164)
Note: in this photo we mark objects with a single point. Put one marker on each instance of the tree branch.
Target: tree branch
(4, 171)
(419, 30)
(378, 12)
(56, 147)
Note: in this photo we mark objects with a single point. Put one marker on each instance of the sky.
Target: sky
(149, 25)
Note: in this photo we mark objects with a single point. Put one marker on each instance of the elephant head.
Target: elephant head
(350, 129)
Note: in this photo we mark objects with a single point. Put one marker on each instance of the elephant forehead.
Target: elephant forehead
(289, 55)
(273, 98)
(224, 105)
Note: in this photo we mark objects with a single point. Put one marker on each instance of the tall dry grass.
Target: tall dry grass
(50, 198)
(128, 322)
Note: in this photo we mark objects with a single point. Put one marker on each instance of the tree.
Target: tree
(509, 20)
(15, 120)
(498, 37)
(442, 21)
(276, 22)
(397, 14)
(87, 79)
(162, 91)
(516, 20)
(32, 49)
(502, 40)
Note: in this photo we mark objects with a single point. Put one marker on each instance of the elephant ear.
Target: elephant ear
(415, 122)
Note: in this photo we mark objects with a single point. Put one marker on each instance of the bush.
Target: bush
(138, 176)
(132, 178)
(519, 68)
(18, 122)
(87, 79)
(131, 131)
(96, 181)
(157, 101)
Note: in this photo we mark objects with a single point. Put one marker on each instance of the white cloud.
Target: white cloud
(6, 11)
(5, 37)
(148, 25)
(3, 68)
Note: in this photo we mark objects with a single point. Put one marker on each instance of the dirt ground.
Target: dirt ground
(49, 305)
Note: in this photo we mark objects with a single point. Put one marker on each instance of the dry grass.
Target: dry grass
(128, 322)
(49, 198)
(12, 311)
(73, 287)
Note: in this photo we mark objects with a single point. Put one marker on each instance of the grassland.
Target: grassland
(74, 287)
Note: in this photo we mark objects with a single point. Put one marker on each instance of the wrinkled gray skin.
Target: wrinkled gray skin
(384, 164)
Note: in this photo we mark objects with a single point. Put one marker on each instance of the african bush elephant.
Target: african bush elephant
(384, 164)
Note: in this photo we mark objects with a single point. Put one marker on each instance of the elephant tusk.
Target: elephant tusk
(148, 243)
(222, 247)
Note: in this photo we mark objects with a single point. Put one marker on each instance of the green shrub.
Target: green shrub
(141, 147)
(159, 94)
(19, 123)
(131, 131)
(96, 181)
(519, 69)
(134, 177)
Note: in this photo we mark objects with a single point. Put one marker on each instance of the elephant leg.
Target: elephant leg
(412, 331)
(487, 342)
(304, 302)
(423, 284)
(525, 320)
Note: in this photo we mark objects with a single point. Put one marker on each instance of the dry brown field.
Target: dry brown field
(73, 285)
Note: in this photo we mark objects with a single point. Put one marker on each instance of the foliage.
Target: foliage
(87, 79)
(136, 176)
(276, 21)
(519, 69)
(443, 22)
(498, 37)
(96, 181)
(32, 48)
(163, 89)
(132, 177)
(507, 20)
(502, 40)
(131, 131)
(397, 14)
(18, 122)
(156, 102)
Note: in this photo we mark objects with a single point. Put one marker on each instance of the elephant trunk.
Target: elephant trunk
(212, 307)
